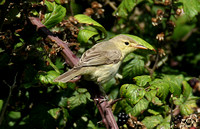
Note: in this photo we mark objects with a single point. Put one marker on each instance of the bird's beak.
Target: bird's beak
(140, 46)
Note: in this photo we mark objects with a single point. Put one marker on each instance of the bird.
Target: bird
(101, 62)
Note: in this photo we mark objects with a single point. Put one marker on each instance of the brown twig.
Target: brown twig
(11, 87)
(102, 104)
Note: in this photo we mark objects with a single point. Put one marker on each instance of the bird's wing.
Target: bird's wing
(94, 57)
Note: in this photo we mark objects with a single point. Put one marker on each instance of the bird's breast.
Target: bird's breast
(104, 73)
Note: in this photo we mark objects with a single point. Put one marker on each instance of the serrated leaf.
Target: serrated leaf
(177, 79)
(175, 82)
(88, 20)
(78, 100)
(191, 8)
(187, 90)
(142, 80)
(188, 107)
(55, 14)
(126, 7)
(65, 114)
(63, 102)
(59, 63)
(49, 77)
(84, 35)
(141, 41)
(152, 121)
(55, 112)
(132, 93)
(162, 88)
(134, 68)
(156, 101)
(150, 94)
(140, 107)
(165, 123)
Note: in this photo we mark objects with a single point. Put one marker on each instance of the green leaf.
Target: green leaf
(55, 112)
(142, 80)
(157, 101)
(134, 68)
(191, 7)
(151, 94)
(132, 93)
(165, 123)
(141, 41)
(63, 102)
(153, 112)
(18, 45)
(66, 115)
(183, 27)
(151, 121)
(1, 104)
(55, 14)
(49, 77)
(126, 7)
(188, 107)
(2, 2)
(78, 100)
(84, 35)
(88, 20)
(14, 114)
(162, 88)
(140, 107)
(187, 90)
(175, 83)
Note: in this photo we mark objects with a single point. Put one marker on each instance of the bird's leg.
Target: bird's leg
(103, 93)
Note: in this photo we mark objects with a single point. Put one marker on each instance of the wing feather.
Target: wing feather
(96, 57)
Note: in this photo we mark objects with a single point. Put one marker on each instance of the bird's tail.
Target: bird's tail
(67, 76)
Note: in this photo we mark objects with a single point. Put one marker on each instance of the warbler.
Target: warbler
(101, 62)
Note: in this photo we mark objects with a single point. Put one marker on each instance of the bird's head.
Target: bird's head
(126, 44)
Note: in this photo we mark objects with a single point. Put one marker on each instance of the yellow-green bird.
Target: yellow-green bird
(101, 62)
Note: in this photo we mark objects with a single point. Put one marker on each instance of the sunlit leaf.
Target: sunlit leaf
(126, 7)
(191, 12)
(55, 14)
(142, 80)
(14, 114)
(88, 20)
(84, 35)
(140, 107)
(55, 112)
(151, 121)
(187, 90)
(162, 88)
(132, 93)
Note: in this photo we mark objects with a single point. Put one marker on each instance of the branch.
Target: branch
(8, 99)
(102, 104)
(69, 56)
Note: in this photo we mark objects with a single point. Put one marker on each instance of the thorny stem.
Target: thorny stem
(102, 104)
(8, 99)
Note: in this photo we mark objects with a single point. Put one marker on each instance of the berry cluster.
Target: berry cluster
(122, 118)
(177, 121)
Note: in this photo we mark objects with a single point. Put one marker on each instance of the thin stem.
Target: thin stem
(8, 99)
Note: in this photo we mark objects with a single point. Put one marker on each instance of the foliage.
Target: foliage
(153, 85)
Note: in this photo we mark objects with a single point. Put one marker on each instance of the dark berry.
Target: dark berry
(122, 118)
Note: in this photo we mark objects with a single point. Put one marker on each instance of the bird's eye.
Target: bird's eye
(126, 43)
